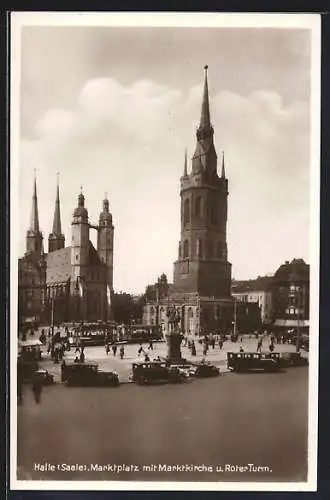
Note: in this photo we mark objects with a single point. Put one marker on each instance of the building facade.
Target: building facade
(258, 291)
(201, 290)
(67, 284)
(290, 290)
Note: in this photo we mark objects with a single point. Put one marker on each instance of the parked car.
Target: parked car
(88, 375)
(293, 359)
(206, 370)
(156, 372)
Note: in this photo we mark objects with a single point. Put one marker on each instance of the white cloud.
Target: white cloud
(129, 141)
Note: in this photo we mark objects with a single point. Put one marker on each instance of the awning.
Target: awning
(292, 323)
(29, 343)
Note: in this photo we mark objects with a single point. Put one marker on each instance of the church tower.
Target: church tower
(56, 239)
(105, 241)
(80, 241)
(202, 266)
(34, 238)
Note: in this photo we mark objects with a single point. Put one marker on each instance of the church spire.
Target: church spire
(57, 213)
(56, 239)
(185, 169)
(34, 226)
(33, 235)
(205, 122)
(223, 171)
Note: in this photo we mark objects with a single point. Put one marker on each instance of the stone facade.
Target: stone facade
(73, 283)
(202, 274)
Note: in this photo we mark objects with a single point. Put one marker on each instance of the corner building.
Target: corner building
(202, 274)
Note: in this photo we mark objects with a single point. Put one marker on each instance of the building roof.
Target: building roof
(260, 284)
(296, 270)
(59, 265)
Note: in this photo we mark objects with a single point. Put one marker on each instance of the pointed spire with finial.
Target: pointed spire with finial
(34, 227)
(185, 169)
(205, 122)
(223, 171)
(57, 229)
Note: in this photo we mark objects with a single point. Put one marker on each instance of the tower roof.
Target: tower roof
(185, 168)
(205, 122)
(34, 226)
(223, 170)
(105, 214)
(81, 211)
(57, 229)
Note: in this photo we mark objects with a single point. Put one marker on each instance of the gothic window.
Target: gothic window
(185, 249)
(186, 212)
(198, 206)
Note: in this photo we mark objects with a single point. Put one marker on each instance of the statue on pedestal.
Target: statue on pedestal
(174, 337)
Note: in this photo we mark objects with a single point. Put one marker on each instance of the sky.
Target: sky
(113, 109)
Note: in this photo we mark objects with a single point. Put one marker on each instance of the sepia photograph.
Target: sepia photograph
(164, 189)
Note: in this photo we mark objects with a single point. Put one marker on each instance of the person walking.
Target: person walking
(37, 388)
(150, 345)
(140, 350)
(107, 348)
(82, 356)
(193, 349)
(114, 349)
(259, 346)
(122, 352)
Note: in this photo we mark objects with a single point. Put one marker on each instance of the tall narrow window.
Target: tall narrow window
(198, 206)
(185, 249)
(186, 212)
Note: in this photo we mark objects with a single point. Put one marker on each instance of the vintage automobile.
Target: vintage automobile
(253, 361)
(46, 377)
(289, 359)
(88, 375)
(206, 370)
(156, 372)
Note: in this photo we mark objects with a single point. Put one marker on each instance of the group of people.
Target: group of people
(114, 349)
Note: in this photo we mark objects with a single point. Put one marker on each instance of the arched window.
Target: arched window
(199, 248)
(185, 249)
(186, 212)
(190, 312)
(198, 206)
(152, 311)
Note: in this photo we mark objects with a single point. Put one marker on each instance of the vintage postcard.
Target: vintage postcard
(164, 251)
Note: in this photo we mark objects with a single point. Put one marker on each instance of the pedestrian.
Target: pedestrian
(193, 349)
(107, 349)
(140, 350)
(114, 349)
(37, 388)
(146, 358)
(82, 356)
(271, 347)
(241, 349)
(122, 352)
(259, 346)
(205, 349)
(76, 359)
(221, 344)
(151, 345)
